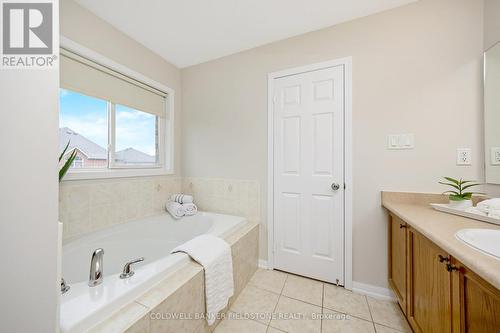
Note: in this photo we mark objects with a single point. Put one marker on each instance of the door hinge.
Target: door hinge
(345, 186)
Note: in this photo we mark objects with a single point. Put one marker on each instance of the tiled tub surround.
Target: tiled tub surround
(182, 294)
(90, 205)
(226, 196)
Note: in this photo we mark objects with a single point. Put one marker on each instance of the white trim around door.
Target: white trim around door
(347, 63)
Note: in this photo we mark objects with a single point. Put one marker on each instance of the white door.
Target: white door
(309, 174)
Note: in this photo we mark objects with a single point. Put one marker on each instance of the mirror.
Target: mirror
(492, 114)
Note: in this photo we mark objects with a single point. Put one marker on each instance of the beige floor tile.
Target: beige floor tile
(270, 280)
(296, 317)
(388, 314)
(242, 326)
(255, 303)
(304, 289)
(335, 322)
(384, 329)
(345, 301)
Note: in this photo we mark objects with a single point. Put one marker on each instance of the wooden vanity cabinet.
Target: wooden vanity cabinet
(429, 286)
(437, 293)
(397, 259)
(476, 303)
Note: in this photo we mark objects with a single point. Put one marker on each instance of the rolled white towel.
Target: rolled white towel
(474, 210)
(190, 208)
(175, 209)
(490, 204)
(494, 213)
(181, 198)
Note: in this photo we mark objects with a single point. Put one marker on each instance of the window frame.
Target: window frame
(165, 126)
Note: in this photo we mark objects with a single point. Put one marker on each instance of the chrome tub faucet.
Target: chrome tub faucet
(95, 277)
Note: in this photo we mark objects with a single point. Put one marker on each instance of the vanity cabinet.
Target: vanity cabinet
(429, 285)
(397, 260)
(436, 292)
(476, 303)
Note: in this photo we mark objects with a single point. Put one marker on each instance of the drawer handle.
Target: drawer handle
(442, 259)
(401, 226)
(451, 268)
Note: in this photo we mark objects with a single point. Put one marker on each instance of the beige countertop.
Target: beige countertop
(441, 227)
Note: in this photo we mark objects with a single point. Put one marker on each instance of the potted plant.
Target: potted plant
(459, 198)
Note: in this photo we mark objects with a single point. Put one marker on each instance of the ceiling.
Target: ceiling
(188, 32)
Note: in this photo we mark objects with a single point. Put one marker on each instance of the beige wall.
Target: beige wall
(491, 23)
(416, 69)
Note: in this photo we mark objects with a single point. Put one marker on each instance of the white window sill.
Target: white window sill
(115, 173)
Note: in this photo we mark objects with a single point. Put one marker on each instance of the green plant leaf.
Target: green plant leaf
(67, 165)
(469, 185)
(457, 182)
(452, 185)
(457, 198)
(64, 151)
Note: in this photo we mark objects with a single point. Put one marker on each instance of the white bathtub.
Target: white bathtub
(152, 238)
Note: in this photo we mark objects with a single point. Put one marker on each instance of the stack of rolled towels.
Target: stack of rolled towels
(180, 205)
(490, 208)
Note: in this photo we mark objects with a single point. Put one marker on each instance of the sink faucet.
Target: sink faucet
(95, 277)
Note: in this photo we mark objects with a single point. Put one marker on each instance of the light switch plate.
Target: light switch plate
(495, 155)
(400, 141)
(464, 156)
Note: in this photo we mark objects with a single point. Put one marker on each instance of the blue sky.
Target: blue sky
(88, 116)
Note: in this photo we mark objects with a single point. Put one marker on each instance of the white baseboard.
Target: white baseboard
(262, 264)
(373, 291)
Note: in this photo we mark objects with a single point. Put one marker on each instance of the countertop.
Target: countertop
(441, 227)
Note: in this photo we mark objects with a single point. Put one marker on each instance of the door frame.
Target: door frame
(347, 63)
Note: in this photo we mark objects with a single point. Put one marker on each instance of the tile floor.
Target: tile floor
(277, 302)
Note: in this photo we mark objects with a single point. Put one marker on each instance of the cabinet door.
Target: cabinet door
(429, 286)
(397, 259)
(476, 303)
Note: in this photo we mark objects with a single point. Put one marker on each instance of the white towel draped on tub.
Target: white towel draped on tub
(175, 209)
(214, 254)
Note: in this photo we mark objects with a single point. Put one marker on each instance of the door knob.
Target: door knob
(335, 186)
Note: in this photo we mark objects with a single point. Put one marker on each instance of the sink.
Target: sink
(484, 240)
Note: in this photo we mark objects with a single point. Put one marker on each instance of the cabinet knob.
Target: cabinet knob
(451, 268)
(442, 259)
(401, 226)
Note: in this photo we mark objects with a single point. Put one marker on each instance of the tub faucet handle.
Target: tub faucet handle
(127, 269)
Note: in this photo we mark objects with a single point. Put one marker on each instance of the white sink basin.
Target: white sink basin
(484, 240)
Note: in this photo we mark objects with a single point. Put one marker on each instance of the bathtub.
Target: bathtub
(82, 307)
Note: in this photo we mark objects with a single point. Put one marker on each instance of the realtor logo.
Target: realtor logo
(27, 34)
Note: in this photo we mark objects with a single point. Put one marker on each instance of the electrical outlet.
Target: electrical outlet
(464, 156)
(495, 155)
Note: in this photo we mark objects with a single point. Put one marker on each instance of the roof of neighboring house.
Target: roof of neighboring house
(91, 149)
(131, 155)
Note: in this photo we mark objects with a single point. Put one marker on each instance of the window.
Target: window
(117, 125)
(78, 162)
(136, 137)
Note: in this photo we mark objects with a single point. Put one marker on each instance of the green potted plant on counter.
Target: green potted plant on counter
(459, 197)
